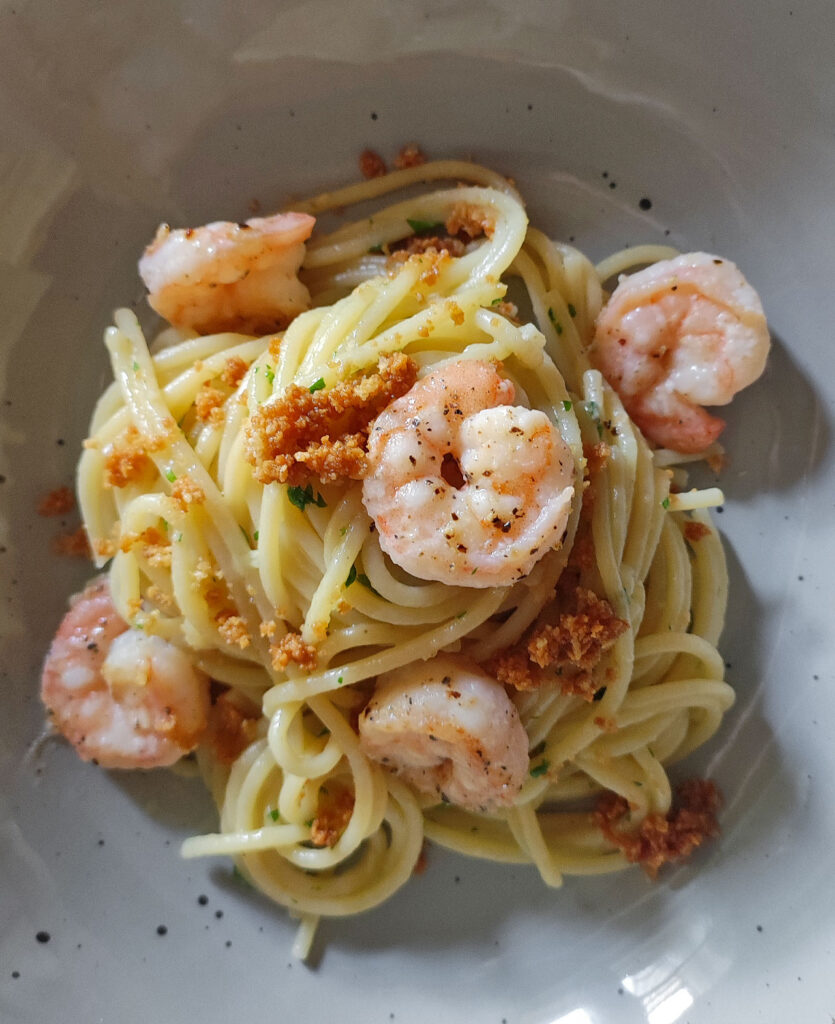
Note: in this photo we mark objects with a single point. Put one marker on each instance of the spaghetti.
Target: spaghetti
(281, 591)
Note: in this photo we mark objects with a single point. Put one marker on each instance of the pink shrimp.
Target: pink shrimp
(229, 277)
(121, 697)
(463, 487)
(678, 335)
(450, 730)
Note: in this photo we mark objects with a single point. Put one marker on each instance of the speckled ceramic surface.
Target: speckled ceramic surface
(113, 117)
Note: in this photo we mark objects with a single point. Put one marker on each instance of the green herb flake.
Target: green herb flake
(665, 503)
(376, 248)
(593, 412)
(165, 525)
(309, 823)
(495, 302)
(352, 575)
(135, 366)
(178, 537)
(255, 535)
(269, 374)
(365, 581)
(343, 531)
(317, 385)
(324, 731)
(419, 226)
(572, 312)
(566, 405)
(340, 679)
(554, 321)
(540, 769)
(274, 814)
(170, 475)
(302, 496)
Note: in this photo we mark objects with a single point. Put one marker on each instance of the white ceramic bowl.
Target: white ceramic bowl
(114, 117)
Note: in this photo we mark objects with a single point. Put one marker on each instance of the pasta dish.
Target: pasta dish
(394, 533)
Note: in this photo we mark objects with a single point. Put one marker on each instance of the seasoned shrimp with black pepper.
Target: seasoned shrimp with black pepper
(464, 487)
(450, 730)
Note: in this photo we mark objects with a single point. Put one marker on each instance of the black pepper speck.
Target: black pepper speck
(218, 914)
(162, 930)
(645, 204)
(202, 900)
(43, 936)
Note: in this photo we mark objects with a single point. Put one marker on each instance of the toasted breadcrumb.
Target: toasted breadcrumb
(409, 156)
(186, 492)
(324, 433)
(57, 503)
(418, 244)
(470, 220)
(208, 404)
(267, 629)
(233, 629)
(161, 598)
(372, 164)
(73, 545)
(126, 457)
(694, 530)
(233, 372)
(507, 309)
(336, 804)
(292, 648)
(104, 547)
(231, 728)
(659, 839)
(573, 646)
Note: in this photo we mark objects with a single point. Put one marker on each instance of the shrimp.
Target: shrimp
(463, 487)
(450, 730)
(229, 277)
(122, 698)
(678, 335)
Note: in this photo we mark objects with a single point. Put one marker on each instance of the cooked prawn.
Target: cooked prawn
(229, 277)
(463, 487)
(121, 697)
(679, 335)
(450, 730)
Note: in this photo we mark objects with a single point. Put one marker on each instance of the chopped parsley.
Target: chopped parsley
(572, 312)
(376, 248)
(665, 503)
(566, 405)
(255, 535)
(495, 302)
(268, 373)
(593, 411)
(317, 385)
(135, 366)
(365, 581)
(419, 226)
(274, 814)
(352, 575)
(170, 475)
(554, 321)
(301, 496)
(540, 769)
(339, 679)
(309, 823)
